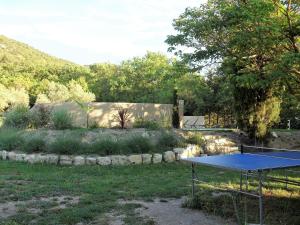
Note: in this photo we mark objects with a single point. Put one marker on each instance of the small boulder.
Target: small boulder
(157, 158)
(146, 158)
(104, 161)
(274, 134)
(12, 156)
(30, 158)
(52, 159)
(79, 160)
(135, 159)
(178, 153)
(169, 156)
(90, 160)
(119, 160)
(191, 151)
(65, 160)
(40, 158)
(4, 155)
(20, 157)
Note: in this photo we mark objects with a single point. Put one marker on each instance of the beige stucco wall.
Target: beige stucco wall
(103, 114)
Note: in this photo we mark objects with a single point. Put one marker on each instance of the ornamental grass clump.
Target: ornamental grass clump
(61, 119)
(168, 139)
(137, 144)
(105, 146)
(66, 145)
(10, 139)
(35, 143)
(17, 117)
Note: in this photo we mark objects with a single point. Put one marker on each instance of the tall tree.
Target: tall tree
(246, 40)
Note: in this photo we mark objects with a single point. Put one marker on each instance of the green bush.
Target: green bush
(168, 139)
(106, 146)
(17, 117)
(35, 143)
(61, 119)
(151, 125)
(66, 145)
(10, 139)
(40, 117)
(196, 139)
(137, 144)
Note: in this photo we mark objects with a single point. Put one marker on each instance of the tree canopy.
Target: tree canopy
(254, 43)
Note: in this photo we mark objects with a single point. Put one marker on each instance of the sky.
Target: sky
(92, 31)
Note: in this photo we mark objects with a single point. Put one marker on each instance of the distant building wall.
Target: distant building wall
(104, 114)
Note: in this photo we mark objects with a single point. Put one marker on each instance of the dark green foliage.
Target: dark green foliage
(109, 146)
(66, 145)
(138, 144)
(168, 139)
(195, 138)
(175, 115)
(253, 45)
(17, 117)
(10, 139)
(40, 117)
(151, 125)
(35, 143)
(61, 119)
(105, 146)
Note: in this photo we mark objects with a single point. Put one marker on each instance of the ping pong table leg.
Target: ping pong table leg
(261, 219)
(193, 180)
(241, 181)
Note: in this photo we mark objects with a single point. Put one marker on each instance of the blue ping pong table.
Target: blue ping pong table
(254, 164)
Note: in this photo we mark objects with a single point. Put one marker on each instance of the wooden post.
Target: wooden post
(180, 112)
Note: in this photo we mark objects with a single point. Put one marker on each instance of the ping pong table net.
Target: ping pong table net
(273, 152)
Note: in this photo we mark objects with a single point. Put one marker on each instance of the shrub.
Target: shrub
(106, 146)
(35, 143)
(122, 117)
(168, 139)
(40, 117)
(66, 145)
(18, 117)
(61, 119)
(196, 139)
(10, 139)
(137, 144)
(151, 125)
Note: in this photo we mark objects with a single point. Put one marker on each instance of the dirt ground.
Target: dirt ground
(170, 212)
(33, 206)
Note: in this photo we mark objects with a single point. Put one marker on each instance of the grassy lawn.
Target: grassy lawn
(100, 188)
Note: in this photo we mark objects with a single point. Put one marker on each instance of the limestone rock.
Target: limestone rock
(30, 158)
(65, 160)
(91, 160)
(4, 155)
(135, 159)
(169, 156)
(178, 153)
(146, 158)
(40, 158)
(20, 157)
(157, 158)
(119, 160)
(52, 159)
(12, 156)
(192, 151)
(79, 160)
(104, 161)
(274, 134)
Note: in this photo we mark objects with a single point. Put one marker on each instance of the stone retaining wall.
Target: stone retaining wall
(168, 156)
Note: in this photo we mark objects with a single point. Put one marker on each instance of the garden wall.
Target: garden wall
(104, 114)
